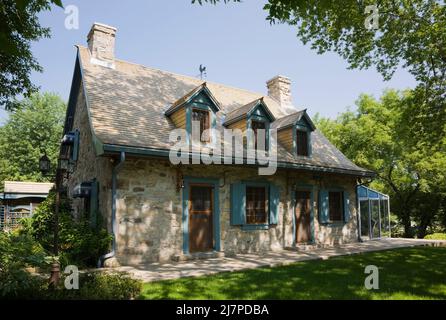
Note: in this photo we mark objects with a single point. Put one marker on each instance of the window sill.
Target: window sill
(253, 227)
(334, 223)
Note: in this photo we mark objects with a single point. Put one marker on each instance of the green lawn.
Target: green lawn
(410, 273)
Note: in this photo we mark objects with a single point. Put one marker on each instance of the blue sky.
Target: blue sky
(234, 41)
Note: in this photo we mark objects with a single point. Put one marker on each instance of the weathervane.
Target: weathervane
(202, 71)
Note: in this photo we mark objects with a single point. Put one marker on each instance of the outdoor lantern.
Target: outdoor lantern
(71, 166)
(44, 164)
(63, 163)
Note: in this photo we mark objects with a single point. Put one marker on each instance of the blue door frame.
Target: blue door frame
(215, 210)
(303, 187)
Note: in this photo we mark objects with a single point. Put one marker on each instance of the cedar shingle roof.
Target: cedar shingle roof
(180, 102)
(127, 107)
(241, 112)
(291, 119)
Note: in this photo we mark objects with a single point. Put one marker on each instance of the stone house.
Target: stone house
(117, 128)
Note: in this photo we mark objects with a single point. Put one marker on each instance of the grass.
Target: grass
(409, 273)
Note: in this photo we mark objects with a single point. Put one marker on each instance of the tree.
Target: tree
(19, 26)
(378, 137)
(408, 33)
(33, 129)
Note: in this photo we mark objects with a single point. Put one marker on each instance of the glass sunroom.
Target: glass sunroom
(374, 209)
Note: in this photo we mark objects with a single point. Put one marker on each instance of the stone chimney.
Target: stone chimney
(101, 42)
(279, 88)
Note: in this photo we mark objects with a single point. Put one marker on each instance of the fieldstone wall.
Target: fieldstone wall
(89, 166)
(149, 211)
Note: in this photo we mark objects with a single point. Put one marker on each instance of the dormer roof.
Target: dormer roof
(246, 110)
(202, 88)
(293, 119)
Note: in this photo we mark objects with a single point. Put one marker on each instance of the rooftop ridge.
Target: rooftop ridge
(187, 76)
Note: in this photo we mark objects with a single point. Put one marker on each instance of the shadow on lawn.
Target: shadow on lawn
(413, 273)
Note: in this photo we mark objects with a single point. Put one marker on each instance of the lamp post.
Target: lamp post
(45, 166)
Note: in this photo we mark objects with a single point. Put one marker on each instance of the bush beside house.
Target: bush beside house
(28, 248)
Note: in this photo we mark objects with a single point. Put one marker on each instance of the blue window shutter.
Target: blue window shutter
(323, 206)
(75, 152)
(238, 204)
(274, 200)
(94, 203)
(346, 207)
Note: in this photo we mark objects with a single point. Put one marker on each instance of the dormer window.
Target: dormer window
(294, 133)
(301, 142)
(254, 116)
(196, 112)
(203, 117)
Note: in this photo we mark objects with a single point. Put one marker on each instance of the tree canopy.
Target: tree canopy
(408, 33)
(33, 129)
(19, 26)
(378, 136)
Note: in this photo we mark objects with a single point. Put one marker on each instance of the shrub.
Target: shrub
(79, 244)
(17, 252)
(436, 236)
(101, 286)
(92, 286)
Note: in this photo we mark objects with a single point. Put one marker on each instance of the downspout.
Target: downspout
(115, 172)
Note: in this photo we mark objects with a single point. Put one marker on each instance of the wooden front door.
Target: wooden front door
(201, 206)
(303, 216)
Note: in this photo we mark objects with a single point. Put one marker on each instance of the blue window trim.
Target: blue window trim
(267, 128)
(262, 226)
(254, 227)
(192, 103)
(266, 118)
(331, 223)
(212, 120)
(215, 212)
(303, 187)
(301, 127)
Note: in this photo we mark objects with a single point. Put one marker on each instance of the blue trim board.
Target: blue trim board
(150, 152)
(188, 123)
(214, 182)
(254, 227)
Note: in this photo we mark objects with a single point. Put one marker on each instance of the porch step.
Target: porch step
(198, 256)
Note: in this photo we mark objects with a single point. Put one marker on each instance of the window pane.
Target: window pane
(335, 206)
(200, 197)
(203, 117)
(365, 218)
(302, 143)
(255, 205)
(384, 219)
(374, 208)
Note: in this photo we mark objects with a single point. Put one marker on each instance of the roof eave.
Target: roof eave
(164, 153)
